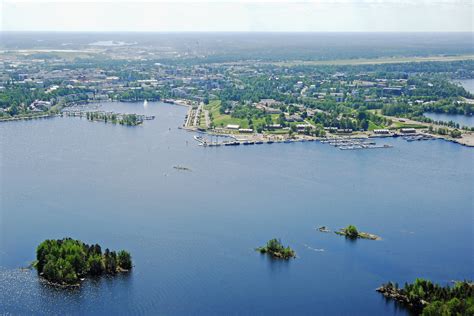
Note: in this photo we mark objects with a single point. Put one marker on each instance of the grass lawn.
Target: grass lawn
(407, 125)
(373, 126)
(202, 120)
(222, 120)
(277, 132)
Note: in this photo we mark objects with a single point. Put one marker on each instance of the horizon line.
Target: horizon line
(222, 32)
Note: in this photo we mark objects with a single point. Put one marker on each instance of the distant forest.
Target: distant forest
(221, 47)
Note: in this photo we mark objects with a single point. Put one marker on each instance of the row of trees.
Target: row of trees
(64, 261)
(389, 71)
(449, 106)
(415, 110)
(138, 95)
(455, 133)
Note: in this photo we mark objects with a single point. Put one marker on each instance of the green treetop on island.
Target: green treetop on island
(65, 261)
(275, 248)
(351, 231)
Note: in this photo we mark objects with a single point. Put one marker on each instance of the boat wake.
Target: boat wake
(314, 249)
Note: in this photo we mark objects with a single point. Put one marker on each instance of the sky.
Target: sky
(238, 15)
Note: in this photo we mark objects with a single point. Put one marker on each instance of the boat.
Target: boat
(199, 138)
(259, 142)
(232, 144)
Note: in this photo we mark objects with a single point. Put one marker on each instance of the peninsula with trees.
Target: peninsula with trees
(426, 298)
(67, 261)
(275, 248)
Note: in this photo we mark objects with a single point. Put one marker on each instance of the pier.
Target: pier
(354, 143)
(418, 137)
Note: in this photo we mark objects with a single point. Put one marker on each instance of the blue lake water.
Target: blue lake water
(192, 233)
(468, 84)
(462, 120)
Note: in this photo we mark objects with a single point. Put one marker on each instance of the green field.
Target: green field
(407, 125)
(222, 120)
(277, 132)
(373, 126)
(202, 120)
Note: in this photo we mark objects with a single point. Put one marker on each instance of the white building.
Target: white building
(233, 126)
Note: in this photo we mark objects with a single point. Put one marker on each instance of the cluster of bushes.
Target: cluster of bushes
(65, 261)
(351, 231)
(276, 249)
(130, 120)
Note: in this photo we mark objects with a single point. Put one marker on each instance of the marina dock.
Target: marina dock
(343, 144)
(354, 143)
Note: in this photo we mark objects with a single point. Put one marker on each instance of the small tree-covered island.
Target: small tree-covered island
(66, 261)
(352, 233)
(122, 119)
(276, 249)
(425, 298)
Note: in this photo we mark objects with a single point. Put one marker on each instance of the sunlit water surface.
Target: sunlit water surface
(192, 234)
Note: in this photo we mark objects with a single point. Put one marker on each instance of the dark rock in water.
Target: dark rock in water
(182, 168)
(324, 229)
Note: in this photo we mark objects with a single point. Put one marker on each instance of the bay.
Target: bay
(192, 234)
